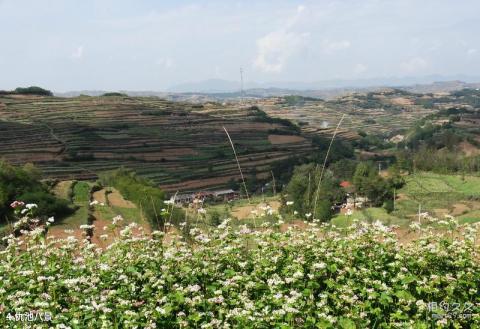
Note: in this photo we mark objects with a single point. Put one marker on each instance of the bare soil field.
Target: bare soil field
(244, 212)
(285, 139)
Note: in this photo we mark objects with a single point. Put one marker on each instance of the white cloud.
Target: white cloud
(77, 53)
(360, 68)
(275, 48)
(471, 52)
(329, 46)
(166, 62)
(414, 65)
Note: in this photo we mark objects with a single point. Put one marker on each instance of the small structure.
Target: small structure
(226, 195)
(181, 199)
(200, 197)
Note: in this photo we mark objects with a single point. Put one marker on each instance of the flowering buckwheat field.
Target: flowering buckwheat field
(316, 277)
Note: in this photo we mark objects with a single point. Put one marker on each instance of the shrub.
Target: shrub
(34, 90)
(115, 94)
(22, 183)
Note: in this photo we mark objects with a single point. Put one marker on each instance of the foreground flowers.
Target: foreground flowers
(228, 278)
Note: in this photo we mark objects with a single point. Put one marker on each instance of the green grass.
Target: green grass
(470, 217)
(130, 214)
(433, 192)
(426, 183)
(81, 193)
(436, 191)
(81, 200)
(368, 215)
(78, 218)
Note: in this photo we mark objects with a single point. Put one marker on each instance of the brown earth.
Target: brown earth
(469, 149)
(285, 139)
(100, 196)
(459, 209)
(402, 101)
(116, 199)
(244, 212)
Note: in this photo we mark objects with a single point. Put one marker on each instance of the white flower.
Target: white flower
(319, 266)
(160, 310)
(289, 203)
(94, 202)
(51, 220)
(117, 219)
(104, 267)
(31, 205)
(308, 215)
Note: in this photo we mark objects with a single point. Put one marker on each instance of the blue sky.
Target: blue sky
(152, 45)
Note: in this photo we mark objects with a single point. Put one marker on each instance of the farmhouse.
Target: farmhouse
(203, 196)
(183, 198)
(226, 195)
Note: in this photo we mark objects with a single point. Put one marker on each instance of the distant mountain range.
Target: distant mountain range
(223, 86)
(217, 89)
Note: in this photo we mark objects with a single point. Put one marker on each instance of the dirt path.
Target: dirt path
(100, 196)
(116, 200)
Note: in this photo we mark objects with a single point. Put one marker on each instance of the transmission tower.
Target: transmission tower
(241, 85)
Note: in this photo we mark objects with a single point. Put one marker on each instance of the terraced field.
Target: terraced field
(383, 112)
(179, 146)
(436, 194)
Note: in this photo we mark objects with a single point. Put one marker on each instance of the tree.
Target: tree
(302, 190)
(23, 184)
(324, 210)
(34, 90)
(215, 218)
(368, 183)
(388, 206)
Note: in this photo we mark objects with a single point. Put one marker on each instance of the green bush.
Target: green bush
(23, 184)
(34, 90)
(115, 94)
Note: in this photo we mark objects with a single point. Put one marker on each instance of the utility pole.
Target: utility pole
(241, 85)
(394, 197)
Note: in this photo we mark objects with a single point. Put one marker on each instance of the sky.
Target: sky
(67, 45)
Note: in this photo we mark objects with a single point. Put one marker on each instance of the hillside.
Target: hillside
(179, 146)
(386, 113)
